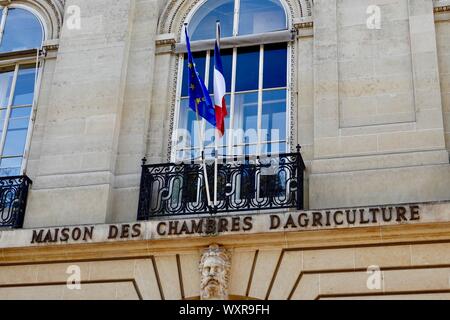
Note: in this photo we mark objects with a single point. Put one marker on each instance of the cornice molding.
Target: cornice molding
(442, 9)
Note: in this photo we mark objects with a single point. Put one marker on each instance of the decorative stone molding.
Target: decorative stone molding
(165, 39)
(165, 43)
(175, 13)
(304, 27)
(215, 267)
(442, 9)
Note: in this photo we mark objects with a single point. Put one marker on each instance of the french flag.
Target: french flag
(219, 87)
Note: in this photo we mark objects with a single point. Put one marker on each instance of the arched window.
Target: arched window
(21, 36)
(256, 74)
(21, 30)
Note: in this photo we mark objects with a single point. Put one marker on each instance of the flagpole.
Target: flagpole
(202, 150)
(216, 151)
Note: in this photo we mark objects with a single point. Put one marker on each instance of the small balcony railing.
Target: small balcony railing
(262, 183)
(13, 200)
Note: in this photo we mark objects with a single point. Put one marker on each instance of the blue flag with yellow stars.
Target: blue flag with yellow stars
(199, 99)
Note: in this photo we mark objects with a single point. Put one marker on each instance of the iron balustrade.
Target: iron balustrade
(13, 200)
(263, 183)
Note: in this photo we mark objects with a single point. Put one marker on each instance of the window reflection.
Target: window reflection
(258, 127)
(6, 78)
(15, 117)
(254, 16)
(274, 115)
(275, 66)
(256, 94)
(22, 31)
(10, 166)
(24, 90)
(203, 22)
(247, 69)
(259, 16)
(19, 30)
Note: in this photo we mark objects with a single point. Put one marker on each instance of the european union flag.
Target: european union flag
(199, 99)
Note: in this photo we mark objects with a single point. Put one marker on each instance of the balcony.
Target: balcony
(243, 185)
(13, 201)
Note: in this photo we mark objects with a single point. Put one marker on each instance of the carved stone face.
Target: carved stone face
(214, 269)
(213, 276)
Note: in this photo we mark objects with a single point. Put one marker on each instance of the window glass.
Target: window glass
(259, 16)
(188, 122)
(203, 23)
(274, 115)
(6, 79)
(17, 132)
(10, 166)
(245, 123)
(24, 90)
(22, 31)
(247, 69)
(275, 66)
(255, 112)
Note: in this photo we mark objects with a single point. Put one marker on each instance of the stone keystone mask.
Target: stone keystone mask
(214, 269)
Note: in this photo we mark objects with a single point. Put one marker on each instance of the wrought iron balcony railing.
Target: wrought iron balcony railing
(264, 183)
(13, 200)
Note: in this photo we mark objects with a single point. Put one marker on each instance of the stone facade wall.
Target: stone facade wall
(370, 106)
(443, 42)
(331, 264)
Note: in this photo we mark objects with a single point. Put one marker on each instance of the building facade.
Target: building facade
(88, 89)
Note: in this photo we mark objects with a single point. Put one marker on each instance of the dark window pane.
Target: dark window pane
(275, 66)
(6, 79)
(272, 186)
(202, 25)
(227, 64)
(248, 179)
(22, 31)
(247, 73)
(191, 183)
(259, 16)
(24, 91)
(200, 64)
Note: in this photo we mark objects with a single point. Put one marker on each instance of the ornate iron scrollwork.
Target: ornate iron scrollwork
(262, 183)
(13, 201)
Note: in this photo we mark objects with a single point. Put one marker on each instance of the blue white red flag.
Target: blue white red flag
(219, 87)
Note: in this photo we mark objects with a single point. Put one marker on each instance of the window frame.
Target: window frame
(231, 107)
(16, 59)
